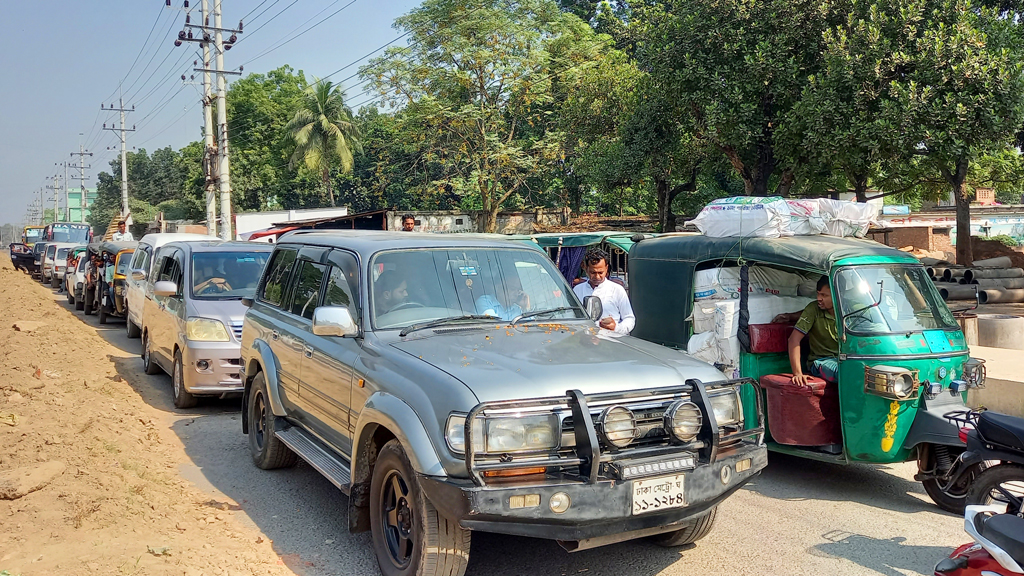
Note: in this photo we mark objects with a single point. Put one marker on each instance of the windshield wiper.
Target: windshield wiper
(540, 313)
(442, 321)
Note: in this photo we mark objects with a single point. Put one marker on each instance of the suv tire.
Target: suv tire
(148, 365)
(409, 536)
(130, 327)
(80, 303)
(53, 281)
(700, 528)
(182, 398)
(268, 452)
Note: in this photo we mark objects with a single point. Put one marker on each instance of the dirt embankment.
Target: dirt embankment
(88, 478)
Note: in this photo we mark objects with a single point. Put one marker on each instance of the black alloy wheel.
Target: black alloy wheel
(397, 519)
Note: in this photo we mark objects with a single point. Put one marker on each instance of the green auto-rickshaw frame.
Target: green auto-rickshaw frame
(878, 425)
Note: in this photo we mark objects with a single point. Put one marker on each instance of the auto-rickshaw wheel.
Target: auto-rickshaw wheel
(936, 460)
(102, 314)
(88, 303)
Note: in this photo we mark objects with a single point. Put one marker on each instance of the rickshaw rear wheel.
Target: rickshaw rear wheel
(700, 528)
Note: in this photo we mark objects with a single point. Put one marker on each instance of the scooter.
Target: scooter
(994, 456)
(998, 547)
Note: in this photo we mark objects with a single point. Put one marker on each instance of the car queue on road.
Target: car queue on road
(453, 384)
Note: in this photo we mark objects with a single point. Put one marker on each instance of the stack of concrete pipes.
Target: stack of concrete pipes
(993, 280)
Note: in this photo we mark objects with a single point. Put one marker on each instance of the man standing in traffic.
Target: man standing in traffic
(122, 234)
(408, 223)
(618, 314)
(818, 322)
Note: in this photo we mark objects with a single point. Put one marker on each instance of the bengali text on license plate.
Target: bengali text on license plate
(653, 494)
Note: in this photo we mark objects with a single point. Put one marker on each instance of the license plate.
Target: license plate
(654, 494)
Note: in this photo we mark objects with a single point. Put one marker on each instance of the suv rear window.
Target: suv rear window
(277, 276)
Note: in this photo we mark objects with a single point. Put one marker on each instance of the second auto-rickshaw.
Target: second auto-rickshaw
(100, 297)
(903, 361)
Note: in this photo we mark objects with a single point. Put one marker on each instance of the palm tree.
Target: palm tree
(324, 132)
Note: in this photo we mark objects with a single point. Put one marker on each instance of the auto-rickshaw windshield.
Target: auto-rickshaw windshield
(890, 299)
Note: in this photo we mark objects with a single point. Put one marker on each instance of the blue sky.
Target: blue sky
(61, 59)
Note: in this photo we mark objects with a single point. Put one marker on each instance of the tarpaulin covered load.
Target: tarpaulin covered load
(774, 217)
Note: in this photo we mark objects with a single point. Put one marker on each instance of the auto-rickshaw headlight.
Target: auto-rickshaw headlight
(890, 382)
(974, 373)
(683, 419)
(903, 385)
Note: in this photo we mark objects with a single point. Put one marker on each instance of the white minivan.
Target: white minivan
(139, 270)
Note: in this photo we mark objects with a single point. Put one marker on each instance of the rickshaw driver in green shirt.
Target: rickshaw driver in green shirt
(818, 322)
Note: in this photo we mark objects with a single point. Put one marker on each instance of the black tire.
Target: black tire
(409, 536)
(102, 313)
(79, 303)
(131, 328)
(268, 452)
(182, 398)
(698, 529)
(53, 281)
(148, 365)
(998, 485)
(71, 296)
(88, 303)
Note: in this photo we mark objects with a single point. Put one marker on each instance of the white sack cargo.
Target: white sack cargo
(763, 307)
(805, 217)
(727, 318)
(724, 283)
(704, 347)
(808, 285)
(704, 316)
(843, 218)
(729, 351)
(744, 216)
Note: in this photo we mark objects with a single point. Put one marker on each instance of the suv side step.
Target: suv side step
(317, 455)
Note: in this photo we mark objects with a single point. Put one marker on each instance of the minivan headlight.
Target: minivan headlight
(504, 434)
(206, 330)
(727, 407)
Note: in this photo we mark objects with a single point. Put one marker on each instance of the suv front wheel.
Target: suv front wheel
(698, 529)
(268, 452)
(410, 537)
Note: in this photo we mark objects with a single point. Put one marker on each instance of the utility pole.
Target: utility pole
(84, 203)
(124, 150)
(67, 195)
(56, 193)
(217, 164)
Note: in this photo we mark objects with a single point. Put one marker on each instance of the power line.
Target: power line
(246, 17)
(159, 15)
(333, 14)
(272, 18)
(151, 58)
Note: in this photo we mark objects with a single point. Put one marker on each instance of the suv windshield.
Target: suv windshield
(908, 301)
(416, 286)
(226, 275)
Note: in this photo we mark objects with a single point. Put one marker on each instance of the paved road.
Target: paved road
(798, 517)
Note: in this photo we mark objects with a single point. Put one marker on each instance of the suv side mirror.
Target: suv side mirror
(165, 288)
(247, 302)
(139, 275)
(594, 308)
(334, 321)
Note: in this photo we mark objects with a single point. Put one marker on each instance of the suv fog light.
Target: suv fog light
(618, 426)
(202, 365)
(683, 420)
(559, 502)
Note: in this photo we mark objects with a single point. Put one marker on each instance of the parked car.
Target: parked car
(138, 274)
(58, 263)
(366, 354)
(74, 281)
(192, 318)
(37, 258)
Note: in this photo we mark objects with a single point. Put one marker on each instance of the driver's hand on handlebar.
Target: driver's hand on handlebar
(801, 379)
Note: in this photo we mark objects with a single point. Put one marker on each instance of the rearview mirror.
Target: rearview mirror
(138, 275)
(165, 288)
(594, 308)
(334, 321)
(247, 302)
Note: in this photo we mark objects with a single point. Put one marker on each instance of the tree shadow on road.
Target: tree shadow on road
(793, 478)
(889, 557)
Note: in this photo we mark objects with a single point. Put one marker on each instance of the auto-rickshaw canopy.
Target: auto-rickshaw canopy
(662, 270)
(112, 247)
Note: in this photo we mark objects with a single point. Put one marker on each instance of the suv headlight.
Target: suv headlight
(206, 330)
(504, 434)
(683, 419)
(727, 407)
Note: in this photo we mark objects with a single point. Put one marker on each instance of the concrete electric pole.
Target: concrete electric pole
(124, 150)
(56, 194)
(84, 203)
(218, 171)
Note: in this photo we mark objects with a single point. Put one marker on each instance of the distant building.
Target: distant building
(75, 204)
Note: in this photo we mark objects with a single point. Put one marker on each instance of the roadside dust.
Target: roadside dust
(110, 500)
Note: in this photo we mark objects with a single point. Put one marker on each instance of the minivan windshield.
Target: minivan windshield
(226, 275)
(70, 232)
(907, 301)
(62, 253)
(416, 286)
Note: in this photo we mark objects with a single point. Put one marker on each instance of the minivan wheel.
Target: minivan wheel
(79, 303)
(130, 327)
(700, 528)
(148, 365)
(53, 281)
(268, 452)
(409, 536)
(182, 398)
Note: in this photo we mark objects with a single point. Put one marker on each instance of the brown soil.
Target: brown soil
(990, 249)
(119, 507)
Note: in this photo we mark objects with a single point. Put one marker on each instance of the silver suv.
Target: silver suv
(192, 317)
(452, 383)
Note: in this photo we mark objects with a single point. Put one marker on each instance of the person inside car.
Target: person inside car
(518, 300)
(211, 282)
(391, 291)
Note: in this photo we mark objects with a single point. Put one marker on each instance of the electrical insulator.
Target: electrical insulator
(186, 3)
(182, 77)
(233, 39)
(188, 19)
(227, 47)
(189, 34)
(104, 126)
(201, 46)
(101, 106)
(206, 36)
(241, 68)
(181, 34)
(168, 2)
(192, 77)
(239, 25)
(177, 42)
(195, 62)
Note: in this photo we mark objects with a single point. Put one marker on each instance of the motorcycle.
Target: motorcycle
(998, 547)
(994, 456)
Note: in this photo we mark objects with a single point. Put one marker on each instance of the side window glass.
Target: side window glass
(163, 269)
(307, 289)
(343, 283)
(277, 276)
(144, 259)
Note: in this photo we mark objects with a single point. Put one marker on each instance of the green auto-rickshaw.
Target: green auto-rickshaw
(903, 362)
(566, 250)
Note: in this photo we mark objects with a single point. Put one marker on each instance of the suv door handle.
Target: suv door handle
(275, 335)
(308, 351)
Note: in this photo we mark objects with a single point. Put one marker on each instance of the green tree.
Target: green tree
(471, 86)
(324, 133)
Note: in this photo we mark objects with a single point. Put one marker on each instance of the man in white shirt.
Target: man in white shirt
(618, 314)
(122, 235)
